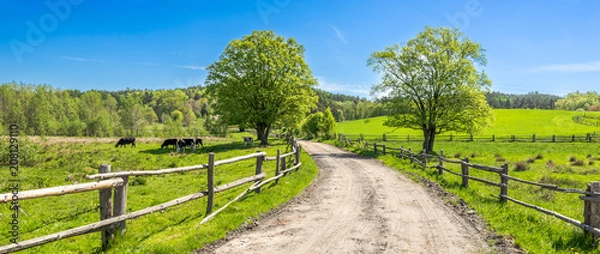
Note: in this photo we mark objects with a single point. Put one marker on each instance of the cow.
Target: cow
(199, 141)
(169, 142)
(193, 142)
(248, 140)
(126, 141)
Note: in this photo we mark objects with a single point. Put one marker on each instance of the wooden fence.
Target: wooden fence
(113, 204)
(588, 137)
(591, 199)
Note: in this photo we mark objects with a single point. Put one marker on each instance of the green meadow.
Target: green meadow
(175, 230)
(507, 122)
(568, 165)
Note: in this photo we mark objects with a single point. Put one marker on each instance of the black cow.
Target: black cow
(169, 142)
(248, 140)
(126, 141)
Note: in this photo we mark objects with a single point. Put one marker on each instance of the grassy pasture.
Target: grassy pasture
(507, 122)
(568, 165)
(176, 230)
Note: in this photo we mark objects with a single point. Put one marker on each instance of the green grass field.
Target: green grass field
(175, 230)
(568, 165)
(507, 122)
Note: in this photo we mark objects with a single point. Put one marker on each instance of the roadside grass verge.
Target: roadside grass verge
(533, 231)
(174, 230)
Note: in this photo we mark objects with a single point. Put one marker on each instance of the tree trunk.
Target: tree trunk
(262, 133)
(429, 136)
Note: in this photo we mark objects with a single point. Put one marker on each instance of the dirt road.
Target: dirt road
(358, 205)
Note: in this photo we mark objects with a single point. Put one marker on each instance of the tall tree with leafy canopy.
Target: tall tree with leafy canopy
(433, 83)
(260, 80)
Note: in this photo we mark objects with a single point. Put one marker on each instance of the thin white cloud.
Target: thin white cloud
(339, 34)
(191, 67)
(147, 63)
(341, 88)
(80, 59)
(568, 68)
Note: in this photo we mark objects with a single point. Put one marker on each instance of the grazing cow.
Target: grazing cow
(169, 142)
(126, 141)
(184, 142)
(248, 140)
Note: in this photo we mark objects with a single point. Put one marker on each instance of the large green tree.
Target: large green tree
(260, 80)
(433, 83)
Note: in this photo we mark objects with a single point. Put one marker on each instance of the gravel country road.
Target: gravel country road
(358, 205)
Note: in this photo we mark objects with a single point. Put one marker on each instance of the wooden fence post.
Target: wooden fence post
(591, 210)
(533, 138)
(441, 163)
(465, 172)
(504, 183)
(408, 138)
(211, 183)
(514, 138)
(297, 155)
(451, 137)
(423, 159)
(384, 137)
(105, 208)
(375, 147)
(283, 164)
(410, 153)
(572, 138)
(120, 204)
(493, 138)
(401, 153)
(259, 164)
(384, 151)
(471, 138)
(553, 138)
(277, 164)
(588, 138)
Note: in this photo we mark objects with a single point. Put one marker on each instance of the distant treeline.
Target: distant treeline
(348, 108)
(532, 100)
(44, 110)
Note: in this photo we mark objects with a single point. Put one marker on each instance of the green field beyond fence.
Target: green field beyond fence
(519, 122)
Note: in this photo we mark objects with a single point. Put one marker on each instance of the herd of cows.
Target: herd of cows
(177, 143)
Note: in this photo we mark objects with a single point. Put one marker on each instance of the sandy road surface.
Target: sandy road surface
(358, 205)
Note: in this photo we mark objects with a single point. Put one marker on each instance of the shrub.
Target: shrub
(530, 160)
(591, 162)
(572, 159)
(457, 155)
(521, 166)
(500, 159)
(473, 155)
(577, 163)
(539, 156)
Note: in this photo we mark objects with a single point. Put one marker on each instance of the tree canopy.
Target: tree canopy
(433, 84)
(262, 80)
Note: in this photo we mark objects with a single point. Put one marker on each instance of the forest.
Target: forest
(44, 110)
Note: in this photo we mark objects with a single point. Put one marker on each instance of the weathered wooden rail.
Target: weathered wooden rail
(113, 204)
(591, 199)
(587, 137)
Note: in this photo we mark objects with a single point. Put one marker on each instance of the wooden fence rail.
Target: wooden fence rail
(587, 137)
(115, 218)
(592, 198)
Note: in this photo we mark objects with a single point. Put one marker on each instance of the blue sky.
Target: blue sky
(546, 46)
